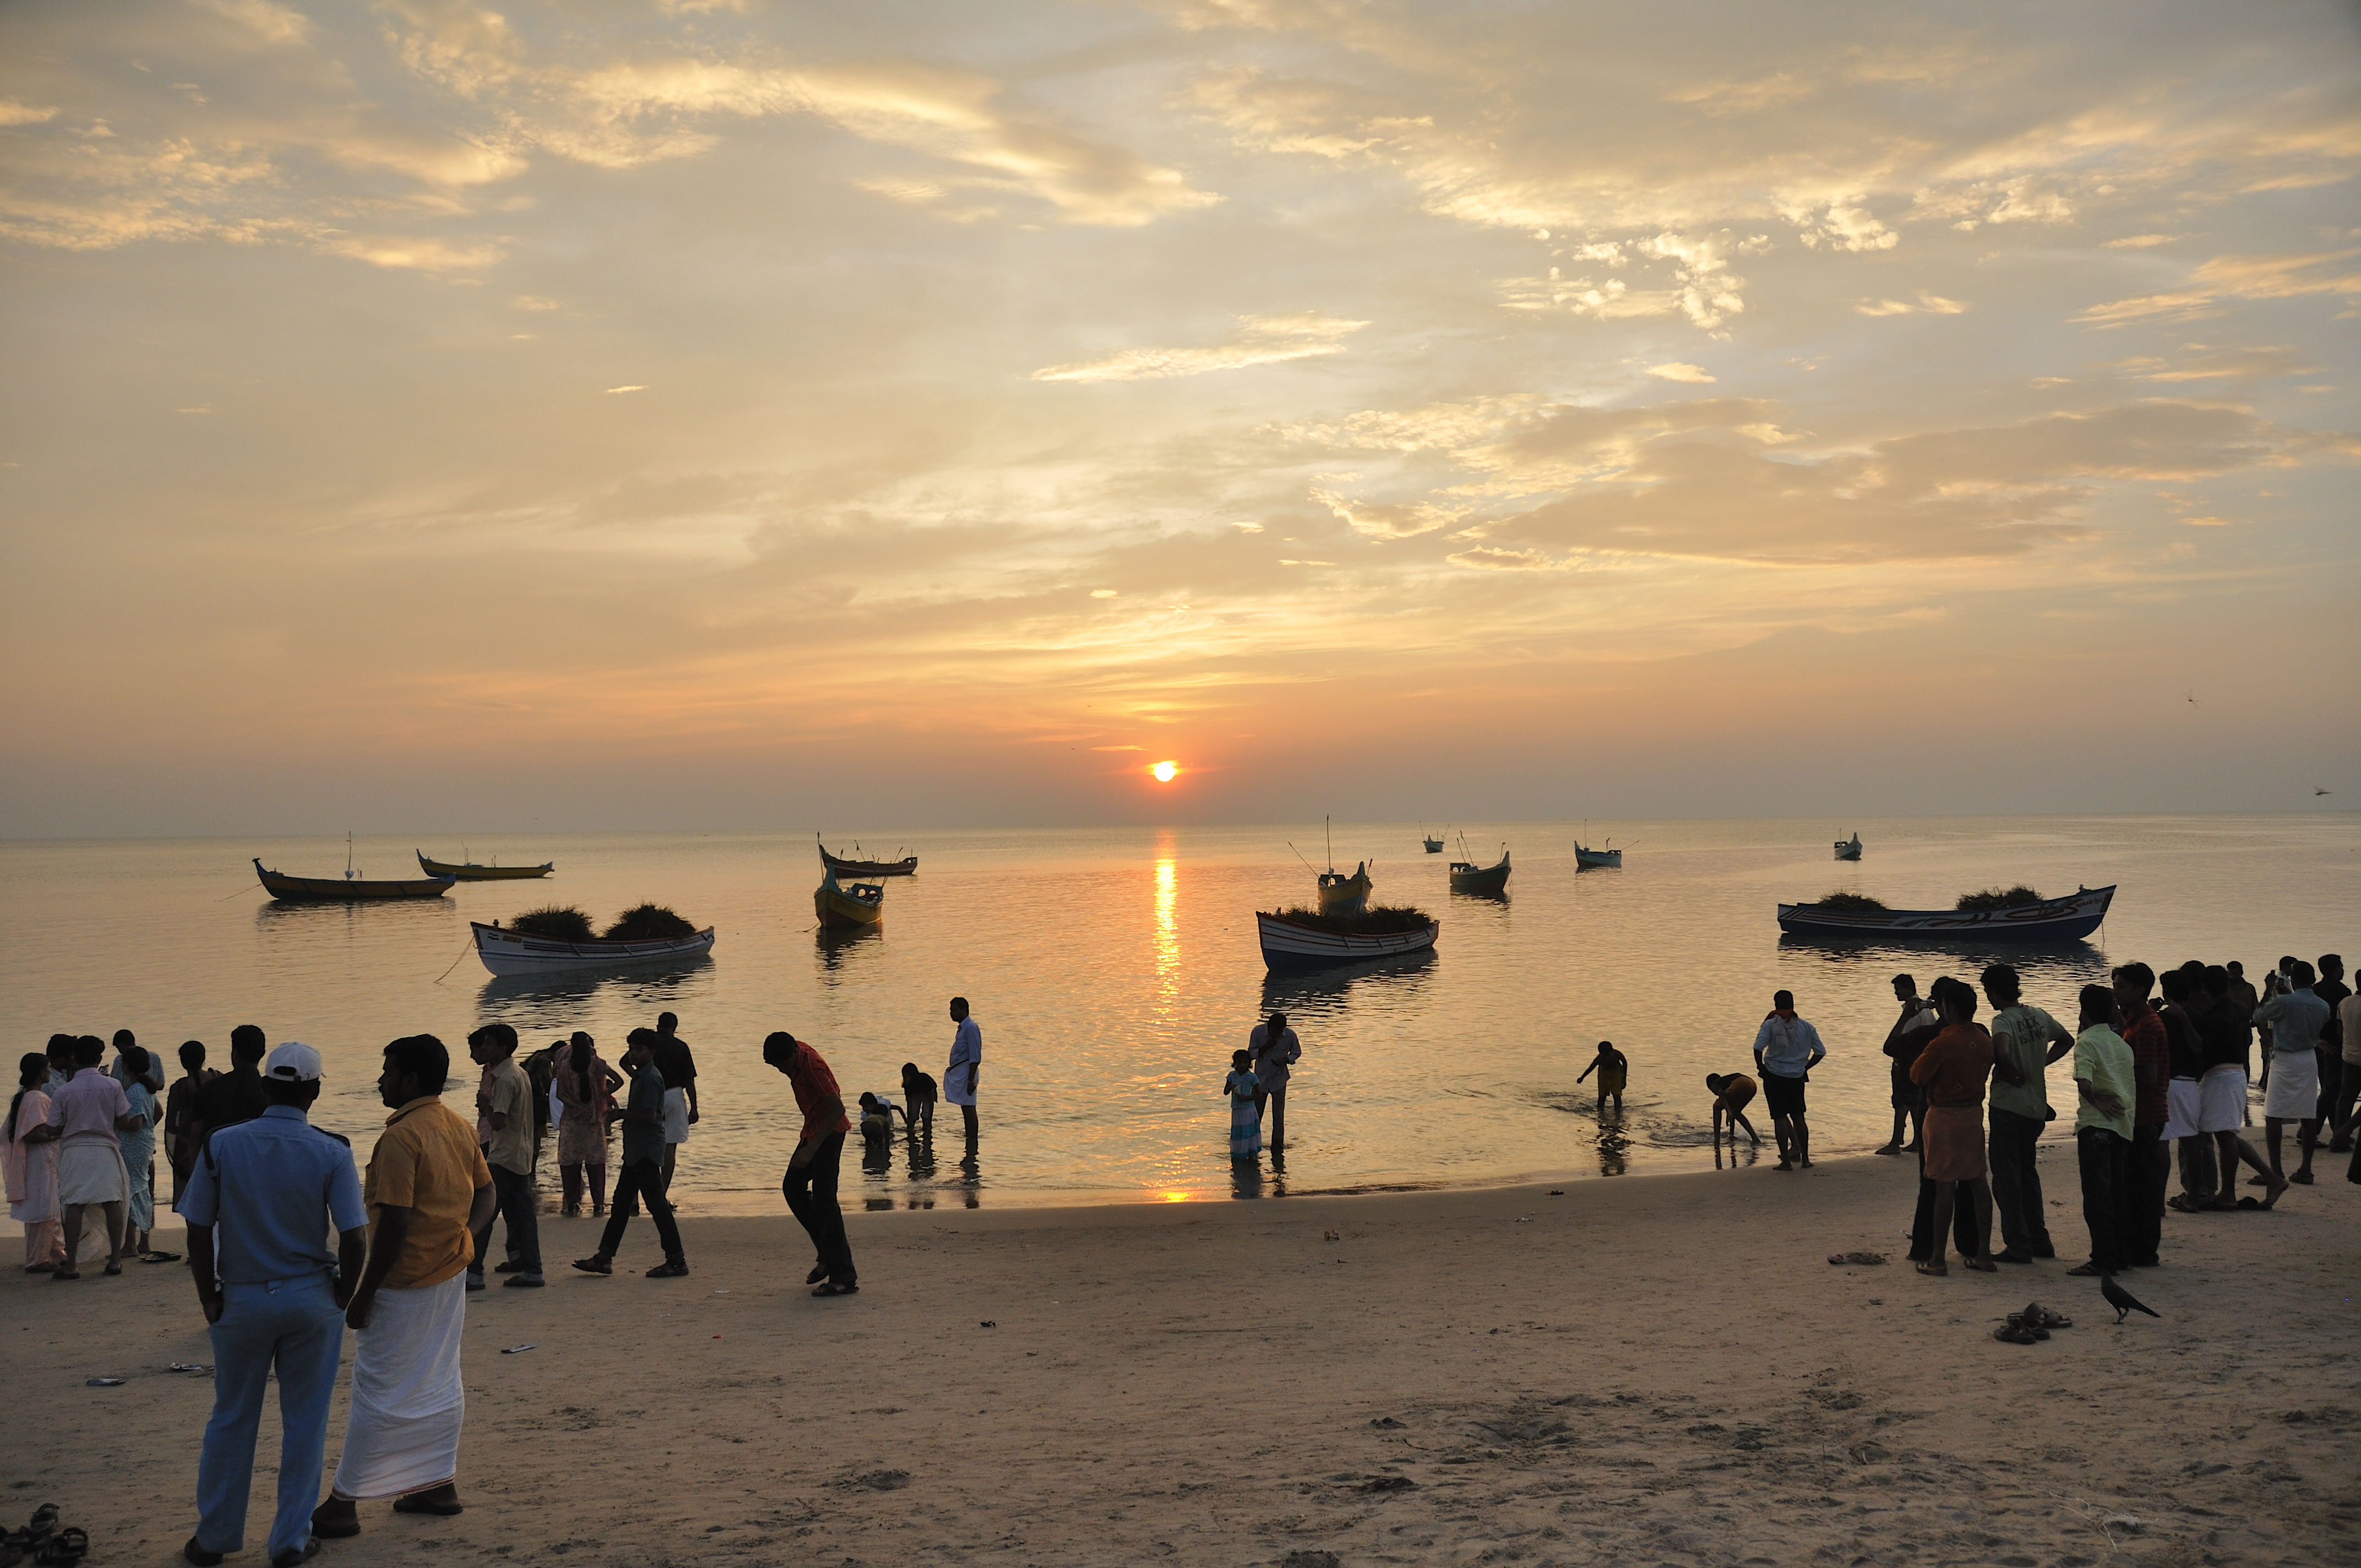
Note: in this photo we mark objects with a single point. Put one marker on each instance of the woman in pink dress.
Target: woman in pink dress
(30, 1168)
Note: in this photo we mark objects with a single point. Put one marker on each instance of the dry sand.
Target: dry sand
(1650, 1370)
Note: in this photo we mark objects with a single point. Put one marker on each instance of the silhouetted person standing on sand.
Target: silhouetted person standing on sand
(678, 1068)
(640, 1181)
(1786, 1049)
(236, 1095)
(2296, 1017)
(967, 1061)
(2026, 1040)
(1273, 1049)
(2103, 1129)
(1909, 1099)
(809, 1185)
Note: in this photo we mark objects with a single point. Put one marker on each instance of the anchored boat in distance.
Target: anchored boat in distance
(1853, 919)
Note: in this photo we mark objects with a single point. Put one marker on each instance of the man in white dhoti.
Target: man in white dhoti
(966, 1063)
(85, 1113)
(427, 1191)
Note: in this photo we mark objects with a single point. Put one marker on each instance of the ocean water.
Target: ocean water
(1113, 971)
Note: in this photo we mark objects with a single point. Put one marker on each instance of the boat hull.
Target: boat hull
(1468, 877)
(1434, 846)
(2053, 920)
(505, 952)
(1342, 894)
(339, 890)
(906, 866)
(1595, 859)
(1290, 946)
(1849, 848)
(859, 906)
(470, 872)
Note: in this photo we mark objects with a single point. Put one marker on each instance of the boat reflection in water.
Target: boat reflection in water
(837, 947)
(558, 1001)
(1322, 994)
(2066, 965)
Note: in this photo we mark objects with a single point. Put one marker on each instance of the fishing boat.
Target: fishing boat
(1849, 848)
(1295, 943)
(508, 952)
(1428, 842)
(2051, 920)
(1592, 859)
(1342, 894)
(906, 866)
(469, 871)
(848, 906)
(350, 888)
(1488, 882)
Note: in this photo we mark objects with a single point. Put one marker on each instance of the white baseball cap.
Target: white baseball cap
(293, 1061)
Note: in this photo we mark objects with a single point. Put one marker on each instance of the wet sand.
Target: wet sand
(1658, 1369)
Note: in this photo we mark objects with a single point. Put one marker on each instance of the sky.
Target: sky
(726, 413)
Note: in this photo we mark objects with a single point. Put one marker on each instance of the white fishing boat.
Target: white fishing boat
(1300, 945)
(508, 952)
(1849, 848)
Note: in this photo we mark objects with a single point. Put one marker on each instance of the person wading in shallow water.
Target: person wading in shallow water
(1613, 1067)
(966, 1063)
(1273, 1049)
(1786, 1049)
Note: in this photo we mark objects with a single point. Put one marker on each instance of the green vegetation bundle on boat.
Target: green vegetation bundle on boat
(558, 922)
(1385, 920)
(1998, 898)
(649, 923)
(1848, 901)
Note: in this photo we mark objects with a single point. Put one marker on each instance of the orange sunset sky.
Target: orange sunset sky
(688, 413)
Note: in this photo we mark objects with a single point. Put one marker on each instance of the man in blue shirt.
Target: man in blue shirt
(261, 1200)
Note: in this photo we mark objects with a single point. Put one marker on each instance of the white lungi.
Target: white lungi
(91, 1173)
(675, 1116)
(2183, 1097)
(2222, 1100)
(404, 1432)
(2294, 1092)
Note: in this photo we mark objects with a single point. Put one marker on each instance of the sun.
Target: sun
(1166, 771)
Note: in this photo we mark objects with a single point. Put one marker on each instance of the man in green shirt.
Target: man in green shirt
(2103, 1129)
(2028, 1039)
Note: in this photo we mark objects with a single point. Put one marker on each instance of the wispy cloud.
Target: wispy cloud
(1676, 370)
(1262, 340)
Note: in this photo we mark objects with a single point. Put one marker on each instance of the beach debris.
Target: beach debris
(1389, 1484)
(101, 1382)
(1301, 1559)
(517, 1350)
(189, 1366)
(1387, 1424)
(1331, 1235)
(1557, 1192)
(878, 1480)
(1524, 1219)
(988, 1323)
(1864, 1259)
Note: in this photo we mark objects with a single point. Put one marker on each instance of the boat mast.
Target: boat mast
(348, 854)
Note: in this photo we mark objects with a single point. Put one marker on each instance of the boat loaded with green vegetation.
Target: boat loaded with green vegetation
(1301, 938)
(558, 937)
(2006, 915)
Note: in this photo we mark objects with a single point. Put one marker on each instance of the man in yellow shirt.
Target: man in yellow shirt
(427, 1191)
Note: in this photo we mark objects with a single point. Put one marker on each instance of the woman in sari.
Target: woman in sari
(132, 1070)
(586, 1089)
(30, 1169)
(1245, 1122)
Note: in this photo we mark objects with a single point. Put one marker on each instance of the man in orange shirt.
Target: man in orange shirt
(427, 1191)
(810, 1182)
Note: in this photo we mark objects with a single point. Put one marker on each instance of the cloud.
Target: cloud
(1931, 304)
(2143, 241)
(1389, 519)
(2228, 279)
(1676, 371)
(1264, 340)
(13, 113)
(1492, 559)
(613, 391)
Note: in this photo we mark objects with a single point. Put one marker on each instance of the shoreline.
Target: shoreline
(1661, 1370)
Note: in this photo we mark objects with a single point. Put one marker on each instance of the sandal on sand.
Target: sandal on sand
(1983, 1265)
(2011, 1333)
(835, 1288)
(159, 1258)
(45, 1519)
(819, 1272)
(70, 1544)
(114, 1268)
(675, 1269)
(594, 1264)
(1935, 1271)
(2180, 1200)
(2301, 1178)
(67, 1273)
(2035, 1312)
(2087, 1271)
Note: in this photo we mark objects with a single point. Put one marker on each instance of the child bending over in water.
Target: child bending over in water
(1731, 1093)
(1611, 1066)
(876, 1122)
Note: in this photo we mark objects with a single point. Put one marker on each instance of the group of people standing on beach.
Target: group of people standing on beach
(2162, 1067)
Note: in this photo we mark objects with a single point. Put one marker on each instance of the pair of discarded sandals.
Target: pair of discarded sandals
(2032, 1325)
(41, 1542)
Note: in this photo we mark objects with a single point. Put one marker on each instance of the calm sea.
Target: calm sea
(1114, 972)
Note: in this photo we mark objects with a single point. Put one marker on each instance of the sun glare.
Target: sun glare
(1165, 772)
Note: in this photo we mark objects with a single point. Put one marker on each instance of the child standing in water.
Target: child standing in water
(1245, 1122)
(1611, 1066)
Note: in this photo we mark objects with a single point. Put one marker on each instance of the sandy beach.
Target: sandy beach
(1660, 1369)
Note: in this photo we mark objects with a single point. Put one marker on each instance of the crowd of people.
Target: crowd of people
(2162, 1068)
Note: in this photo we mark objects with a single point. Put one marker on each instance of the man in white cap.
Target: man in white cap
(261, 1199)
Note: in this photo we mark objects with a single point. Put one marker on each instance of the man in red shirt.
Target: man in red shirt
(2144, 1170)
(810, 1182)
